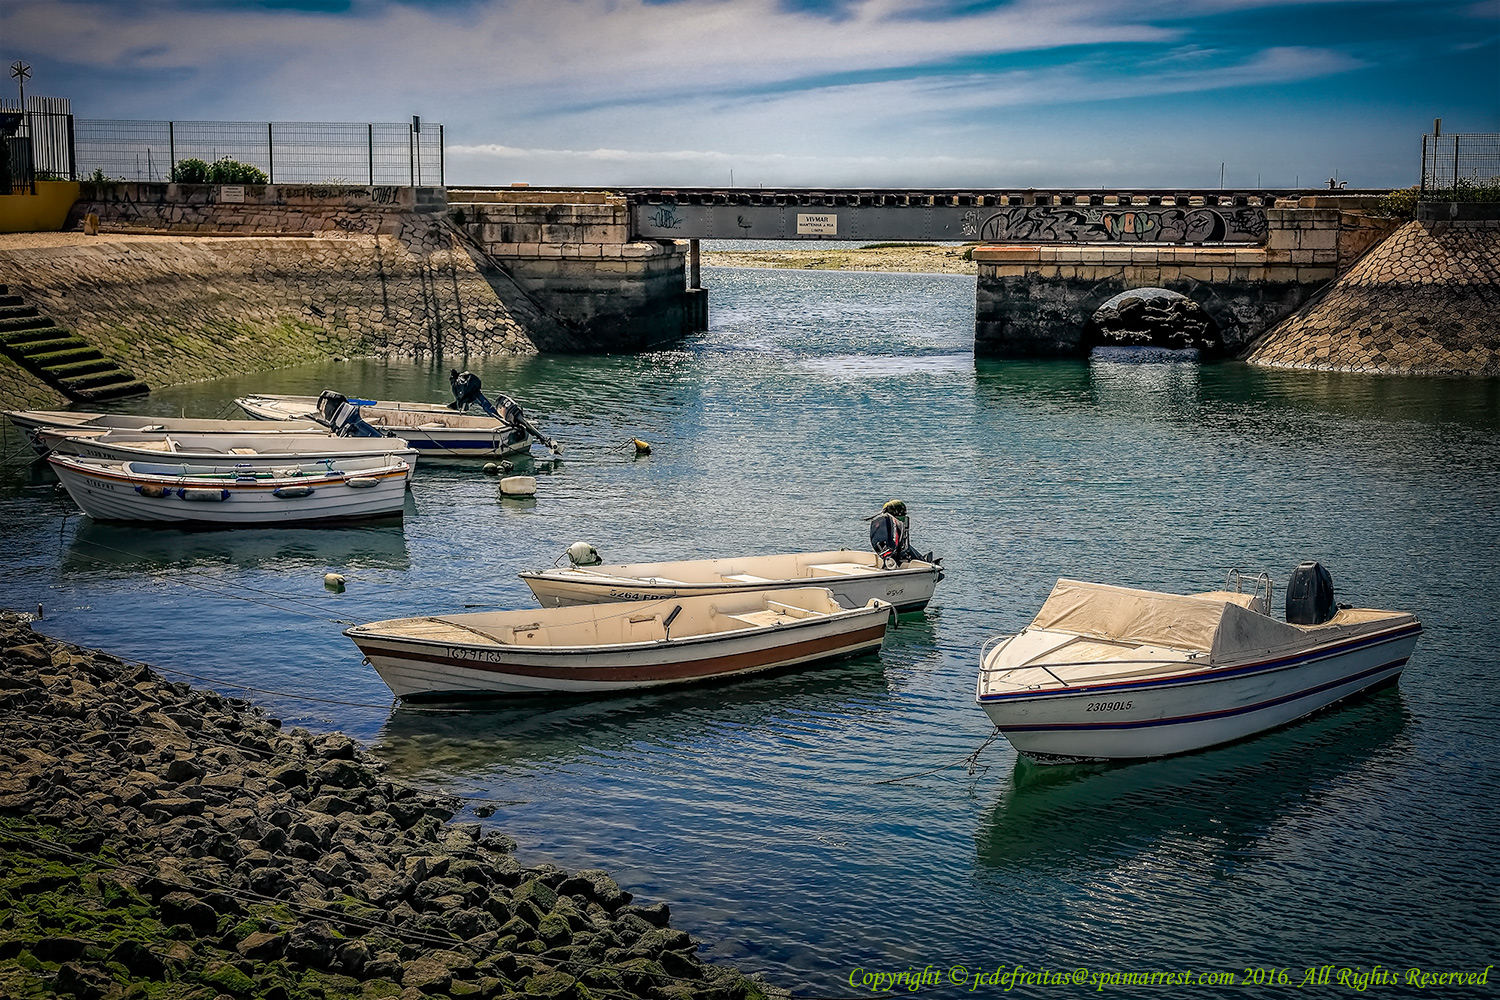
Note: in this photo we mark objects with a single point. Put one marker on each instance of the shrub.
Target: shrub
(221, 171)
(1399, 204)
(99, 177)
(227, 171)
(189, 171)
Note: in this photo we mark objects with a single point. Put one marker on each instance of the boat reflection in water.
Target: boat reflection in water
(422, 745)
(102, 547)
(1213, 806)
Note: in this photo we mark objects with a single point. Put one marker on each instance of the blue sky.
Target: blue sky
(933, 93)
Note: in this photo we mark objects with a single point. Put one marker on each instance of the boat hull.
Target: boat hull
(908, 589)
(112, 492)
(466, 436)
(1157, 718)
(33, 423)
(427, 670)
(309, 449)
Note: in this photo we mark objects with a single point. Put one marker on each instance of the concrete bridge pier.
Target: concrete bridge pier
(574, 254)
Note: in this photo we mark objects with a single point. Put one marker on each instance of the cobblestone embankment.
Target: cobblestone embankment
(1423, 301)
(165, 842)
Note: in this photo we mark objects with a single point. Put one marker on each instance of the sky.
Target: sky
(808, 93)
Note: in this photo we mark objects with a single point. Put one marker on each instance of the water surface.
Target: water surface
(769, 813)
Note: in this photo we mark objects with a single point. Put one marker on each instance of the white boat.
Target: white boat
(434, 429)
(33, 422)
(1106, 673)
(854, 577)
(227, 496)
(241, 450)
(617, 647)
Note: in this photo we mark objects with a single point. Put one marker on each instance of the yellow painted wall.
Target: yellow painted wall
(43, 212)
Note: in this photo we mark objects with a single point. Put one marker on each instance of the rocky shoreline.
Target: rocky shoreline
(166, 842)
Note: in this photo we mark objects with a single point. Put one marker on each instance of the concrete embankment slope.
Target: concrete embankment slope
(179, 309)
(1425, 300)
(157, 840)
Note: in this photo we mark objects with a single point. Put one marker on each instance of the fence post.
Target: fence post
(72, 152)
(1455, 166)
(270, 155)
(442, 181)
(171, 150)
(370, 134)
(411, 160)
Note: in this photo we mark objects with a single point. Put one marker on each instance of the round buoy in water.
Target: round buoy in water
(518, 486)
(641, 447)
(491, 469)
(333, 582)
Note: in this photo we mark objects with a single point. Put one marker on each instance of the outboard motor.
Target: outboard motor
(342, 417)
(467, 391)
(889, 536)
(1309, 595)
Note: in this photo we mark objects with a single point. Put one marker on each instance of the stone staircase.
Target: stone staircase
(60, 357)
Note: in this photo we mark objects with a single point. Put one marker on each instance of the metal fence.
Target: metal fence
(406, 154)
(37, 141)
(1461, 167)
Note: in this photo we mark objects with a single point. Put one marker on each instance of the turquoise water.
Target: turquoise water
(770, 813)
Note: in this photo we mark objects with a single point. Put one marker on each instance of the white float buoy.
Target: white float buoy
(518, 486)
(334, 582)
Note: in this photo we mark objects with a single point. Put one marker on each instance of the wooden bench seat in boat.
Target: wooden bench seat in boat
(839, 569)
(748, 578)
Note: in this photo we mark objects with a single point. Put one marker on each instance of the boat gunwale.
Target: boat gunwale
(844, 614)
(1214, 673)
(331, 478)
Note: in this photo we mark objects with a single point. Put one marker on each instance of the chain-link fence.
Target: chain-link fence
(1464, 166)
(405, 154)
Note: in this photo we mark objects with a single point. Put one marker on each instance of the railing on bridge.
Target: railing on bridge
(1463, 166)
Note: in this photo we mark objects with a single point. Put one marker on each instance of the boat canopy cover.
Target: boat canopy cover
(1218, 623)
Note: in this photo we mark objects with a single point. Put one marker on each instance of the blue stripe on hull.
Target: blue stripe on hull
(1208, 716)
(1265, 666)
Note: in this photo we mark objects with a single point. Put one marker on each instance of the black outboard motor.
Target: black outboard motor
(467, 392)
(342, 417)
(889, 535)
(1309, 595)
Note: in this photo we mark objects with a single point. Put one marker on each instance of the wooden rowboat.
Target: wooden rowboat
(595, 649)
(855, 577)
(227, 496)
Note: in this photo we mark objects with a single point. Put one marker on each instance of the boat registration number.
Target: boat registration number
(1108, 706)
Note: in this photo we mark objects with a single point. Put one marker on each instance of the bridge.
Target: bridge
(1050, 263)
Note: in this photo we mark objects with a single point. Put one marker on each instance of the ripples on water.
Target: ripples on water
(1364, 835)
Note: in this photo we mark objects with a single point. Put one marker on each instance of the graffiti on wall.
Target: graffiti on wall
(1117, 224)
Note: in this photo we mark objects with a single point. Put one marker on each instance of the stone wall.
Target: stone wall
(1425, 300)
(1037, 301)
(573, 251)
(182, 309)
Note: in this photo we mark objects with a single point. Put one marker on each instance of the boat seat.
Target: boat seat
(760, 619)
(243, 451)
(155, 445)
(747, 578)
(839, 569)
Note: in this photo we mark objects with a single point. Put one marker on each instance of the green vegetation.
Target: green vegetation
(222, 171)
(897, 245)
(100, 177)
(1402, 203)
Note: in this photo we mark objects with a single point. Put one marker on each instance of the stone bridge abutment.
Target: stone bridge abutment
(1037, 299)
